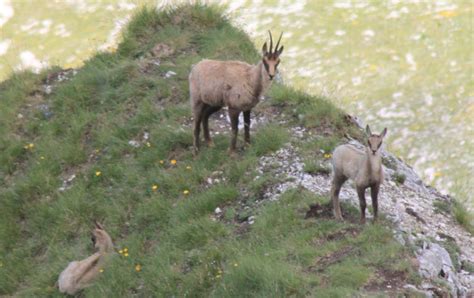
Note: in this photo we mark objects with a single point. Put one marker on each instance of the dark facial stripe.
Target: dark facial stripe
(266, 65)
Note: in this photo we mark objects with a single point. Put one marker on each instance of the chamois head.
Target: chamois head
(374, 142)
(101, 239)
(271, 58)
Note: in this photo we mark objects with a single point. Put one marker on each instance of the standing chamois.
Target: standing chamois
(235, 84)
(364, 168)
(80, 274)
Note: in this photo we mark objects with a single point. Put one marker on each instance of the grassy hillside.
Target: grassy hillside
(83, 128)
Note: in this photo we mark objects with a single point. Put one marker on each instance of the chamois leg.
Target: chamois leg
(337, 183)
(374, 191)
(208, 111)
(197, 113)
(234, 123)
(362, 203)
(247, 126)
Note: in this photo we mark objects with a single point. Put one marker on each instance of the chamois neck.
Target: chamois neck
(373, 162)
(260, 79)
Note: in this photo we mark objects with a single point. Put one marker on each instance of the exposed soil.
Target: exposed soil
(335, 257)
(387, 281)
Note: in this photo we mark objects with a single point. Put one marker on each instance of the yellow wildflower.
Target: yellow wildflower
(447, 13)
(42, 157)
(236, 265)
(98, 173)
(186, 192)
(138, 267)
(188, 167)
(218, 276)
(121, 251)
(101, 270)
(26, 147)
(125, 249)
(173, 161)
(327, 155)
(31, 145)
(162, 161)
(154, 187)
(438, 174)
(125, 254)
(148, 144)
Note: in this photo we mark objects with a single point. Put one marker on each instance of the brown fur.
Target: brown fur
(80, 274)
(363, 167)
(237, 85)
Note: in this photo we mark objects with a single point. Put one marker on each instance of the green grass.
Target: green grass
(463, 216)
(183, 248)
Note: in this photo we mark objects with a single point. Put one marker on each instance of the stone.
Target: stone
(134, 143)
(169, 74)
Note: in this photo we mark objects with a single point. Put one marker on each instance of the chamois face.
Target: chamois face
(271, 58)
(100, 238)
(374, 142)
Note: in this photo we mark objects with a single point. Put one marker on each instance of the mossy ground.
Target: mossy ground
(183, 249)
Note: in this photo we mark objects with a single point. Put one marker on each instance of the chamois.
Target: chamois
(364, 168)
(235, 84)
(80, 274)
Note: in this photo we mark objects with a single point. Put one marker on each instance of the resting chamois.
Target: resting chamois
(235, 84)
(80, 274)
(364, 168)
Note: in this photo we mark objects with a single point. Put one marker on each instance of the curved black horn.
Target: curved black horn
(278, 43)
(271, 41)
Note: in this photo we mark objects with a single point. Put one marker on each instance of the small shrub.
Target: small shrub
(269, 139)
(314, 168)
(389, 162)
(467, 266)
(441, 206)
(463, 216)
(399, 177)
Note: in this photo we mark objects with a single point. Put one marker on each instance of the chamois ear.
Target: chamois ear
(367, 130)
(98, 225)
(264, 49)
(280, 51)
(384, 132)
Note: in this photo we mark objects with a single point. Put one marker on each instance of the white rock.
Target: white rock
(170, 74)
(134, 143)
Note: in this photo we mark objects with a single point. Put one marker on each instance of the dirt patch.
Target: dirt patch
(349, 232)
(387, 281)
(161, 50)
(317, 210)
(324, 211)
(332, 258)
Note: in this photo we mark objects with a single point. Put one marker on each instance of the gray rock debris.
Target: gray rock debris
(287, 165)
